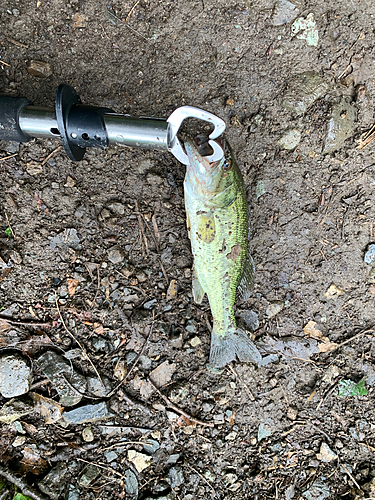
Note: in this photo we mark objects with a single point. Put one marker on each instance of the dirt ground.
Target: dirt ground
(281, 431)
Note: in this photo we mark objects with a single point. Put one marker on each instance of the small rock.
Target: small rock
(72, 493)
(370, 254)
(67, 239)
(16, 257)
(260, 190)
(290, 492)
(231, 436)
(195, 341)
(274, 308)
(139, 460)
(19, 441)
(173, 459)
(175, 477)
(34, 168)
(292, 413)
(143, 166)
(331, 373)
(154, 180)
(85, 414)
(39, 69)
(341, 125)
(230, 478)
(54, 482)
(145, 362)
(290, 139)
(131, 483)
(317, 491)
(172, 290)
(110, 456)
(87, 434)
(250, 319)
(150, 304)
(163, 373)
(150, 446)
(305, 29)
(117, 208)
(116, 254)
(97, 387)
(15, 375)
(327, 455)
(304, 89)
(88, 475)
(70, 182)
(333, 291)
(264, 430)
(284, 12)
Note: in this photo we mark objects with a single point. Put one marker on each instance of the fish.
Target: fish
(218, 228)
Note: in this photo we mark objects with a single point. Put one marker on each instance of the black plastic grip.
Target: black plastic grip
(10, 109)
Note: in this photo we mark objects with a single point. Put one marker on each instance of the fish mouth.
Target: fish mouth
(197, 150)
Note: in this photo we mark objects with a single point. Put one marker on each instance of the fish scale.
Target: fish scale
(217, 218)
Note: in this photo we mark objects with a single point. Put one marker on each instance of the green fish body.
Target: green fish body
(218, 226)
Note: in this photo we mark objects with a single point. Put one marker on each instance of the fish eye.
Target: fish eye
(226, 165)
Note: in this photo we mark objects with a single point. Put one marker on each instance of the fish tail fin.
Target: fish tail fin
(229, 347)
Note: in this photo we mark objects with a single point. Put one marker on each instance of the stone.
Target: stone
(195, 341)
(54, 482)
(87, 434)
(327, 455)
(66, 239)
(341, 125)
(370, 254)
(150, 304)
(284, 12)
(305, 29)
(264, 430)
(250, 319)
(110, 456)
(304, 89)
(163, 373)
(290, 492)
(85, 414)
(116, 254)
(72, 493)
(175, 477)
(139, 460)
(333, 291)
(274, 308)
(14, 410)
(88, 475)
(39, 69)
(97, 387)
(151, 446)
(172, 290)
(69, 384)
(317, 491)
(15, 375)
(131, 483)
(117, 208)
(290, 139)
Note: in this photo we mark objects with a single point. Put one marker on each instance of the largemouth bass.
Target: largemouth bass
(218, 226)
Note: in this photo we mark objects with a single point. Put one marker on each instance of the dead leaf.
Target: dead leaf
(183, 421)
(310, 329)
(32, 462)
(327, 346)
(72, 286)
(163, 373)
(4, 269)
(34, 168)
(120, 370)
(47, 408)
(143, 386)
(4, 326)
(333, 291)
(41, 204)
(172, 290)
(139, 460)
(33, 344)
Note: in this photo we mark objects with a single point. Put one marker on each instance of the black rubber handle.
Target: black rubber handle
(10, 109)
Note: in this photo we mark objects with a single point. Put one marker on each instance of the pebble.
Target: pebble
(175, 477)
(173, 459)
(207, 407)
(139, 460)
(284, 12)
(333, 291)
(19, 441)
(191, 326)
(97, 387)
(327, 455)
(290, 139)
(87, 434)
(150, 304)
(117, 208)
(89, 474)
(39, 69)
(304, 89)
(87, 413)
(131, 483)
(195, 341)
(72, 493)
(341, 125)
(264, 430)
(54, 482)
(250, 319)
(15, 375)
(16, 257)
(231, 436)
(317, 491)
(274, 308)
(150, 446)
(172, 290)
(66, 239)
(116, 254)
(110, 456)
(370, 254)
(290, 492)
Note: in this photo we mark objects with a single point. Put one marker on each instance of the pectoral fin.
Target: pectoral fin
(198, 292)
(246, 285)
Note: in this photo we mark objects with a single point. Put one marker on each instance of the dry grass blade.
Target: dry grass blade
(141, 228)
(367, 138)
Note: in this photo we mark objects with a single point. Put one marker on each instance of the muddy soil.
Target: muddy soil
(312, 218)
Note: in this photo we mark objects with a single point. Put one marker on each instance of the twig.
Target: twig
(73, 337)
(131, 11)
(25, 323)
(21, 484)
(3, 62)
(143, 348)
(204, 479)
(10, 227)
(38, 384)
(4, 493)
(177, 409)
(7, 157)
(351, 477)
(141, 226)
(352, 338)
(251, 396)
(50, 155)
(100, 466)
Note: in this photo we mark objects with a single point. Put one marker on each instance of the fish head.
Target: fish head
(208, 180)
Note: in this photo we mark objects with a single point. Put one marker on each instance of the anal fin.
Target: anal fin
(246, 284)
(198, 292)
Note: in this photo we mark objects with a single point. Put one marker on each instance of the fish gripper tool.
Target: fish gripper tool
(80, 126)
